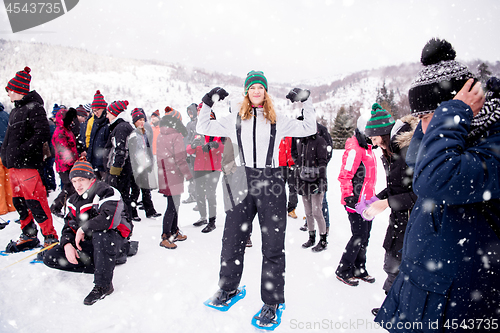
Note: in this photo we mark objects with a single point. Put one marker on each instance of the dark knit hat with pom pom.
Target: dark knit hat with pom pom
(137, 114)
(21, 82)
(380, 122)
(440, 80)
(117, 107)
(99, 102)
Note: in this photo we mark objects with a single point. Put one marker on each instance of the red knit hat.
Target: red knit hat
(21, 82)
(156, 113)
(173, 113)
(99, 102)
(117, 107)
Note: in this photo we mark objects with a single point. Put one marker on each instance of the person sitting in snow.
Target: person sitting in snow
(95, 230)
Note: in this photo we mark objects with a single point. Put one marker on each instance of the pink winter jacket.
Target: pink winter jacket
(171, 158)
(207, 161)
(64, 144)
(356, 181)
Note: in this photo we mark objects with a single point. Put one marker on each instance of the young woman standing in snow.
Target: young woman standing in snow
(312, 155)
(358, 175)
(257, 130)
(172, 170)
(393, 139)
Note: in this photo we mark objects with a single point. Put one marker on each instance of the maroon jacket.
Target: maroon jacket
(171, 158)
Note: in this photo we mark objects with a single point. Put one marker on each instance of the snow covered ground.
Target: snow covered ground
(161, 290)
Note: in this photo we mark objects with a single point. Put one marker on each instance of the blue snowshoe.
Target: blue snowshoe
(223, 300)
(269, 317)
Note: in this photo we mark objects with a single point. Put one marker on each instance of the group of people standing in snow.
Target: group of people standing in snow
(442, 165)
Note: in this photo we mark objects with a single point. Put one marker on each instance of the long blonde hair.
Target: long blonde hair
(267, 105)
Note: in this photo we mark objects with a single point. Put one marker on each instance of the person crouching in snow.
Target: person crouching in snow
(95, 229)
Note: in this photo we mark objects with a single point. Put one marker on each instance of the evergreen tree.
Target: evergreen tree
(385, 98)
(343, 128)
(483, 73)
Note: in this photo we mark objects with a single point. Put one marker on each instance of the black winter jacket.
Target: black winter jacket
(399, 190)
(312, 152)
(99, 208)
(117, 155)
(28, 129)
(98, 138)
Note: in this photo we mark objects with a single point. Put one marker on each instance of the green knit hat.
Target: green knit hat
(380, 123)
(255, 77)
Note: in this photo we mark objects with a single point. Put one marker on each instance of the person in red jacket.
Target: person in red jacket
(64, 143)
(287, 165)
(358, 175)
(207, 169)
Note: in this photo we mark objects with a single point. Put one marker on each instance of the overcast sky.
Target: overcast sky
(288, 39)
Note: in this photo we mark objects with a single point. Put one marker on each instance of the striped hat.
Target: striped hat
(156, 114)
(255, 77)
(173, 113)
(99, 102)
(55, 109)
(82, 169)
(21, 82)
(80, 111)
(380, 123)
(117, 107)
(87, 107)
(138, 113)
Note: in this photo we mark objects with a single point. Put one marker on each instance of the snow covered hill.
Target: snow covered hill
(71, 76)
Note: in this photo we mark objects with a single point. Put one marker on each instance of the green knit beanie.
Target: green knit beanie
(380, 123)
(255, 77)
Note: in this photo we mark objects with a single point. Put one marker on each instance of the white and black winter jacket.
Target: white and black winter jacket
(255, 132)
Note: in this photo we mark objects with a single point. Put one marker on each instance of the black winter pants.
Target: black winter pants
(353, 261)
(97, 256)
(147, 202)
(66, 191)
(289, 177)
(267, 199)
(171, 216)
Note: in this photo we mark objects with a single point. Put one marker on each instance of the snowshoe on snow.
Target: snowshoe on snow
(269, 317)
(24, 243)
(224, 300)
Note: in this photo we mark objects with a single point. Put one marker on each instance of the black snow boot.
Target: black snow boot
(321, 244)
(98, 293)
(200, 222)
(311, 241)
(210, 226)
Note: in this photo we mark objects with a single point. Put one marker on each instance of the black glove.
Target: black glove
(350, 202)
(112, 180)
(214, 144)
(210, 145)
(215, 95)
(298, 95)
(196, 142)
